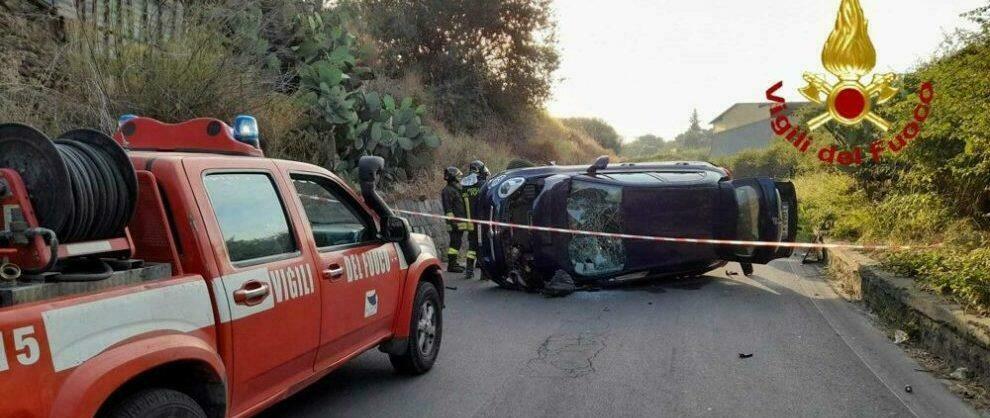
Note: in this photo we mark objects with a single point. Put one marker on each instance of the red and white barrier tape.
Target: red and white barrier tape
(709, 241)
(669, 239)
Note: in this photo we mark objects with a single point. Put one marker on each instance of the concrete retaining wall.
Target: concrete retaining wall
(934, 322)
(435, 228)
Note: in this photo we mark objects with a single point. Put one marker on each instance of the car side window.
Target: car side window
(251, 215)
(333, 218)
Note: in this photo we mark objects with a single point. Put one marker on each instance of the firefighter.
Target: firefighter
(453, 206)
(470, 191)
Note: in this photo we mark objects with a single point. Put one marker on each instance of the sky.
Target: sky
(643, 65)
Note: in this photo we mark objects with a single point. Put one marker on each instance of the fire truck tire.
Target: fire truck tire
(158, 403)
(425, 333)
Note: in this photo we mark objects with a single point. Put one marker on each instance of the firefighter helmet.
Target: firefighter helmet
(480, 169)
(451, 174)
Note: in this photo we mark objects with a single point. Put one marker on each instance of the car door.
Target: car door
(361, 275)
(266, 293)
(758, 209)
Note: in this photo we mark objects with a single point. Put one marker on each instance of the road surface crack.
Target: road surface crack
(567, 355)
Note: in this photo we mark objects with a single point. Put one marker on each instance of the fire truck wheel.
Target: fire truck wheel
(158, 403)
(425, 333)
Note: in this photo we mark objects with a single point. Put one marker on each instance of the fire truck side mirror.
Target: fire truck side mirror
(395, 229)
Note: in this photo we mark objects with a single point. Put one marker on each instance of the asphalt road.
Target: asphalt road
(670, 348)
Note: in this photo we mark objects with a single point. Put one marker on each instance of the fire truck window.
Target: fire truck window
(250, 214)
(333, 219)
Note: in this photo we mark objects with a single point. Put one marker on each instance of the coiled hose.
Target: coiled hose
(98, 190)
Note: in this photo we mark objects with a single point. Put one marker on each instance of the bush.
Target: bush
(598, 129)
(779, 161)
(643, 145)
(189, 76)
(963, 275)
(194, 74)
(908, 218)
(831, 204)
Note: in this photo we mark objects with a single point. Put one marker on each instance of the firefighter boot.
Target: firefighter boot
(452, 265)
(469, 270)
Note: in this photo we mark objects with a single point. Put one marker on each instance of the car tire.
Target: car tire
(425, 333)
(157, 403)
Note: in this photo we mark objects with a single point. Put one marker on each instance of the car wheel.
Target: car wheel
(157, 403)
(425, 333)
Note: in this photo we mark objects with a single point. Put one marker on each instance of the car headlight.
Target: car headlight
(508, 187)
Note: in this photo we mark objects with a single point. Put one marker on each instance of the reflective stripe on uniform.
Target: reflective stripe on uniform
(452, 251)
(471, 255)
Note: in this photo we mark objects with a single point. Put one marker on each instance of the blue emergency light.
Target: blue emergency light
(125, 118)
(246, 130)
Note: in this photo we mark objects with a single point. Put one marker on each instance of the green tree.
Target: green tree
(695, 136)
(479, 56)
(353, 120)
(598, 129)
(643, 145)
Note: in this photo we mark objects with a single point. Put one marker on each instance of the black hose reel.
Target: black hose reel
(82, 185)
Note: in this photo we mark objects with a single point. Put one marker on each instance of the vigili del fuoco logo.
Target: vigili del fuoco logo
(849, 56)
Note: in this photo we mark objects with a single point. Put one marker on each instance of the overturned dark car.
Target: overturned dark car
(670, 199)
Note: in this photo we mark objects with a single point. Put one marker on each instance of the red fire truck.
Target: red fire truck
(173, 270)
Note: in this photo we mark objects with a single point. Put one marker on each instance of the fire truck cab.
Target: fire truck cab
(238, 281)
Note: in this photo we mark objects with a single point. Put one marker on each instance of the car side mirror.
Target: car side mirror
(395, 229)
(600, 163)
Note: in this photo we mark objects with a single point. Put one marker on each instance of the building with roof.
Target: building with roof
(744, 126)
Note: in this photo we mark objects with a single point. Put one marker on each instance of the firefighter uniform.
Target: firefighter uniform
(453, 206)
(470, 192)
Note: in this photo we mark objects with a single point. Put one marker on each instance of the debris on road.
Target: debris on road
(562, 284)
(961, 373)
(451, 287)
(741, 355)
(731, 273)
(908, 389)
(900, 337)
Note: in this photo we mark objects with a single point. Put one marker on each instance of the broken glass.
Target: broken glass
(595, 207)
